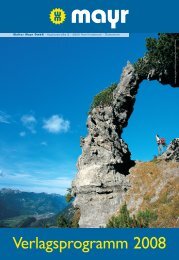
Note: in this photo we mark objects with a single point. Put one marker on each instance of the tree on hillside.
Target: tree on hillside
(143, 219)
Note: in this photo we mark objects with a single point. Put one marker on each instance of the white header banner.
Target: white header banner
(64, 35)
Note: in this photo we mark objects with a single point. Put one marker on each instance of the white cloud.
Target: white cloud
(29, 121)
(56, 124)
(44, 143)
(22, 134)
(4, 118)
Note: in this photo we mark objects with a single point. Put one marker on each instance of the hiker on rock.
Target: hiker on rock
(161, 144)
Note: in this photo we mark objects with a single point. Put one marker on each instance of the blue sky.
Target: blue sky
(47, 86)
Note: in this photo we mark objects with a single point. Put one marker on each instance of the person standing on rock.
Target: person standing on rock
(161, 144)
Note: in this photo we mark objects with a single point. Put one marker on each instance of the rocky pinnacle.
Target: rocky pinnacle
(104, 164)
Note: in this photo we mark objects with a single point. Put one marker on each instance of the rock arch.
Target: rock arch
(103, 167)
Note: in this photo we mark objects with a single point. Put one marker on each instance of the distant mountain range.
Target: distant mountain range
(18, 208)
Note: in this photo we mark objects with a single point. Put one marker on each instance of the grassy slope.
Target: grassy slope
(155, 186)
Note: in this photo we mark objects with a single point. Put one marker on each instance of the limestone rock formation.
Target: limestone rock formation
(172, 152)
(105, 161)
(102, 179)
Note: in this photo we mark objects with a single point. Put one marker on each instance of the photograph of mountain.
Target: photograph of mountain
(22, 209)
(89, 132)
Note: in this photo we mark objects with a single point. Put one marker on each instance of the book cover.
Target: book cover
(89, 142)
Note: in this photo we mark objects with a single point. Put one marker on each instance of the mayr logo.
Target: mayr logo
(100, 16)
